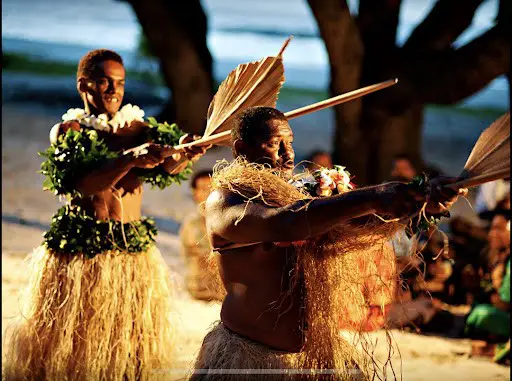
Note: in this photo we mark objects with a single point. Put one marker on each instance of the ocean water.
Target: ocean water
(239, 31)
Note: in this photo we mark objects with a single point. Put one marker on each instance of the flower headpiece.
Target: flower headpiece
(324, 182)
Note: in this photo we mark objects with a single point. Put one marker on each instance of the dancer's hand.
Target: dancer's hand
(149, 155)
(400, 199)
(442, 198)
(195, 152)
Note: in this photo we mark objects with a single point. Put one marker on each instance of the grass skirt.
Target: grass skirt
(227, 356)
(345, 270)
(105, 318)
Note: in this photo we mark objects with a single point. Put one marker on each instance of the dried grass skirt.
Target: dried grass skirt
(105, 318)
(228, 356)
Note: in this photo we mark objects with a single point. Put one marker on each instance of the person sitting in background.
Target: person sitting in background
(402, 168)
(489, 194)
(202, 278)
(491, 321)
(467, 242)
(319, 159)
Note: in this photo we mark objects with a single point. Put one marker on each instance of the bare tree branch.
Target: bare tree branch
(176, 32)
(345, 49)
(441, 27)
(450, 76)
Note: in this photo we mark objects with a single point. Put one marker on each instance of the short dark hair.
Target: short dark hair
(316, 153)
(89, 63)
(249, 123)
(403, 156)
(198, 175)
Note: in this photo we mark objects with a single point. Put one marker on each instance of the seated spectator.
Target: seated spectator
(202, 276)
(319, 159)
(490, 193)
(491, 321)
(403, 168)
(466, 242)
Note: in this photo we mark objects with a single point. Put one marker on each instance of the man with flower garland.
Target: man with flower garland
(280, 312)
(98, 305)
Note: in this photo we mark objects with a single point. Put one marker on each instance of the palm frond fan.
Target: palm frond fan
(490, 158)
(251, 84)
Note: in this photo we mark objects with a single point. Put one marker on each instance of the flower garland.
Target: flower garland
(325, 182)
(78, 152)
(74, 231)
(124, 117)
(74, 154)
(165, 134)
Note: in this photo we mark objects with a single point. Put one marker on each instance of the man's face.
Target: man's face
(106, 91)
(202, 190)
(499, 235)
(403, 168)
(273, 147)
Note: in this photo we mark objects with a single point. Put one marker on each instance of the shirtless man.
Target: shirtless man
(99, 300)
(256, 271)
(115, 190)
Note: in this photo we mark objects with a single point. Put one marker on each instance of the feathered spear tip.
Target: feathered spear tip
(490, 158)
(252, 84)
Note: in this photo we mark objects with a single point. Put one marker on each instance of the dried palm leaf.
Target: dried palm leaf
(251, 84)
(490, 158)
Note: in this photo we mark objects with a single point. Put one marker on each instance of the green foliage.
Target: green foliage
(74, 231)
(79, 152)
(74, 154)
(166, 134)
(163, 133)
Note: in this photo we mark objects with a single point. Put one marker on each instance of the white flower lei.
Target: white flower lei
(127, 114)
(324, 181)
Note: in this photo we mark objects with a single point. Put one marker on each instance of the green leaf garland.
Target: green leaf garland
(74, 231)
(74, 154)
(77, 152)
(168, 134)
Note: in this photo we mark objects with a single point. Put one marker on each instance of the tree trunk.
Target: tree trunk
(372, 130)
(387, 135)
(176, 31)
(344, 47)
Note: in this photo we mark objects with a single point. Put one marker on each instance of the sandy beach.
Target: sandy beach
(27, 211)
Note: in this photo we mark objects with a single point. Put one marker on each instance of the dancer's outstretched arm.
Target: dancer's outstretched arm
(230, 217)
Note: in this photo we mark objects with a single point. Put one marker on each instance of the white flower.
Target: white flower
(74, 114)
(101, 123)
(88, 121)
(118, 121)
(132, 113)
(325, 180)
(345, 175)
(122, 118)
(303, 181)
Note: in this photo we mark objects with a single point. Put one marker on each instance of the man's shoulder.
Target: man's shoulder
(61, 128)
(222, 198)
